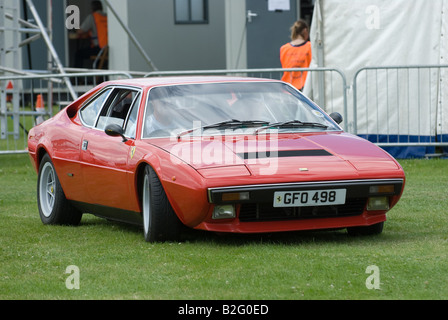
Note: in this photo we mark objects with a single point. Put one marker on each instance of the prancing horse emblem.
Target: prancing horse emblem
(132, 152)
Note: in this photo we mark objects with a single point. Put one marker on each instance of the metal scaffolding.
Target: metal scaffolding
(12, 29)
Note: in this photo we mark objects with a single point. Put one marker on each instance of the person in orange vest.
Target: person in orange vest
(95, 28)
(296, 54)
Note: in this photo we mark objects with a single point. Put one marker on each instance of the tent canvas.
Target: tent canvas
(384, 49)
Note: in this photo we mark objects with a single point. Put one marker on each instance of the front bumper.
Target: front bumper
(256, 212)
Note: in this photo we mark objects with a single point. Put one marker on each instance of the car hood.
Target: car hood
(332, 154)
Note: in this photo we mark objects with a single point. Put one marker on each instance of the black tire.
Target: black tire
(160, 222)
(54, 209)
(366, 231)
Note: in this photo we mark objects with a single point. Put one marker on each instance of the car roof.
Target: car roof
(176, 80)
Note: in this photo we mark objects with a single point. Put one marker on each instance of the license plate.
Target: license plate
(309, 198)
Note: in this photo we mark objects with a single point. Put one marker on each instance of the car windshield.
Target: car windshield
(186, 109)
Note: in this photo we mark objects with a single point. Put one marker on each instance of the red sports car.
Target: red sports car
(224, 154)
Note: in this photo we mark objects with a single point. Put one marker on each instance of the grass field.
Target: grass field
(114, 262)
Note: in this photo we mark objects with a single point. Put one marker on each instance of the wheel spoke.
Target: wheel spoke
(50, 190)
(50, 198)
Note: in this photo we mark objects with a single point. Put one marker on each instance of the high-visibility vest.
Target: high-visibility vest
(295, 57)
(101, 28)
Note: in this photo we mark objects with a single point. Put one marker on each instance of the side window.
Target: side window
(89, 113)
(117, 110)
(131, 123)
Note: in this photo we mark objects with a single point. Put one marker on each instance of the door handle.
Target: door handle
(251, 15)
(85, 143)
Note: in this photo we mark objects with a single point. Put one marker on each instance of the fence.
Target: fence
(402, 106)
(395, 106)
(20, 95)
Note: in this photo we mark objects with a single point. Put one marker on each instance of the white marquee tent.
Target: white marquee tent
(401, 98)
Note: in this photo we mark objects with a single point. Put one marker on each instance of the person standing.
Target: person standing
(95, 28)
(296, 54)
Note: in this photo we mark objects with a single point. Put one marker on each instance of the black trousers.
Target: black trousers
(84, 54)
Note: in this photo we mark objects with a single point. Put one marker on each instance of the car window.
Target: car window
(131, 123)
(89, 113)
(171, 110)
(117, 109)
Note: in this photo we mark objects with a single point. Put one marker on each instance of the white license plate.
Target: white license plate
(308, 198)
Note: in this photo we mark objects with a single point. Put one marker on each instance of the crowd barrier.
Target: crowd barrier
(403, 109)
(28, 99)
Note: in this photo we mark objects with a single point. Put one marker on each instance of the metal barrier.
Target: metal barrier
(393, 106)
(30, 98)
(402, 106)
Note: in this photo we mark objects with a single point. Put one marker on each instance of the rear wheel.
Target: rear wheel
(160, 222)
(53, 206)
(366, 231)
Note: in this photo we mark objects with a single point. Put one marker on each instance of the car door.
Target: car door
(105, 158)
(69, 159)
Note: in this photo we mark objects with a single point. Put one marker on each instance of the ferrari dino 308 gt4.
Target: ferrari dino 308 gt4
(223, 154)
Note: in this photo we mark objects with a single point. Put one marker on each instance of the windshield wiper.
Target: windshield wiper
(292, 124)
(232, 123)
(236, 123)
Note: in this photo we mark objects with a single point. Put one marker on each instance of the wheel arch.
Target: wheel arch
(41, 152)
(139, 172)
(190, 185)
(154, 163)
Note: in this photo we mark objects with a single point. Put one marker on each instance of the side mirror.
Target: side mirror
(115, 130)
(336, 116)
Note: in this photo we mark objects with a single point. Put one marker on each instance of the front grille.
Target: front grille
(266, 212)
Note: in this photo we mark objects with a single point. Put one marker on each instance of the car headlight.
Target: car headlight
(226, 211)
(378, 203)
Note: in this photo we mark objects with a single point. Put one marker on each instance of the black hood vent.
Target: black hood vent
(284, 153)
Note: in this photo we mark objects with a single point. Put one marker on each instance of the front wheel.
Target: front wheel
(160, 222)
(53, 206)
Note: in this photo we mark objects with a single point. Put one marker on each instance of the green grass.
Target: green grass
(115, 262)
